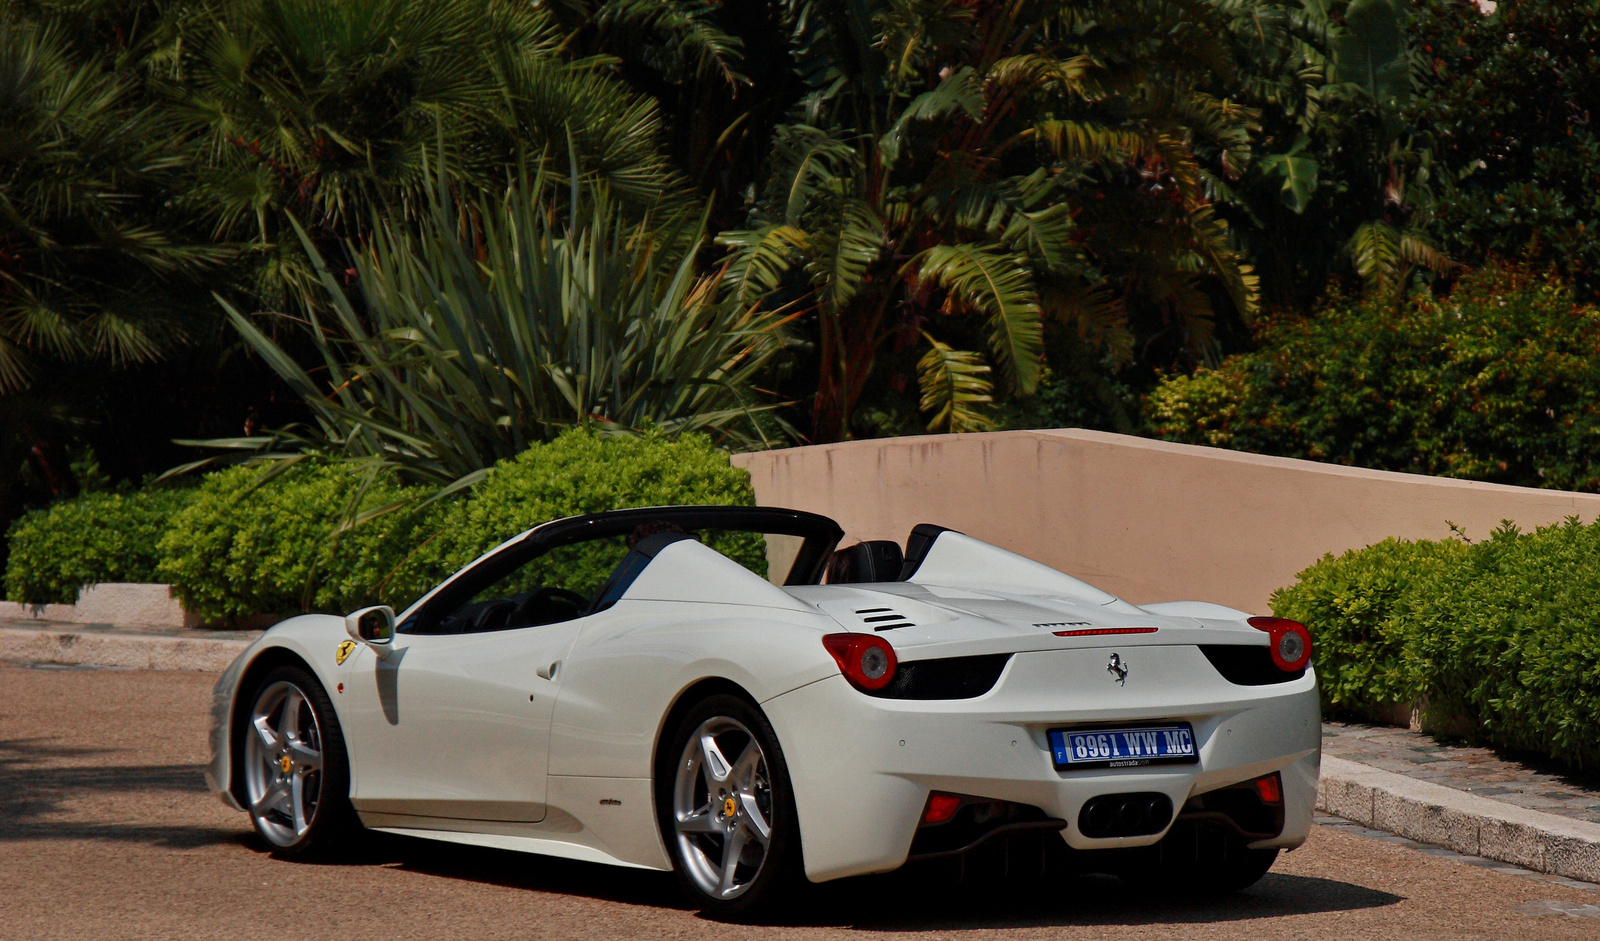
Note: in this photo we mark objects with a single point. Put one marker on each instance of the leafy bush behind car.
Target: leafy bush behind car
(97, 537)
(236, 546)
(1504, 632)
(583, 471)
(243, 547)
(1499, 380)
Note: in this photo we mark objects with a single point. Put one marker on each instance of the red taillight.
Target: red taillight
(1269, 788)
(941, 807)
(868, 662)
(1291, 642)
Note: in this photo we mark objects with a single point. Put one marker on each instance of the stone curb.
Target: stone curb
(1466, 823)
(118, 649)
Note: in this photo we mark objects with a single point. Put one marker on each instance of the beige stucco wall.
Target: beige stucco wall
(1147, 520)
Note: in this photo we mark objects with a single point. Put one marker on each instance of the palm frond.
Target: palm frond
(954, 388)
(998, 284)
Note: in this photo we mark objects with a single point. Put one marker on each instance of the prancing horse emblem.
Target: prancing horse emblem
(1118, 669)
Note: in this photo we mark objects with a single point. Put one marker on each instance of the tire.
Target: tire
(296, 774)
(711, 802)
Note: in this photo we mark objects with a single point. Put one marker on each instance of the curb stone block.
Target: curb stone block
(1572, 857)
(1345, 798)
(1467, 823)
(1515, 843)
(1427, 822)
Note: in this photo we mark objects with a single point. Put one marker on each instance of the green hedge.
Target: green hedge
(236, 546)
(1504, 632)
(97, 537)
(583, 471)
(243, 547)
(1499, 381)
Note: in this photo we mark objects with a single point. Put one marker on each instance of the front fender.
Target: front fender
(311, 639)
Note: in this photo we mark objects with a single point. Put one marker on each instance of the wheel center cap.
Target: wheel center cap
(729, 808)
(285, 763)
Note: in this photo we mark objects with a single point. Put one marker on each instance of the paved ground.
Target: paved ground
(1479, 771)
(106, 832)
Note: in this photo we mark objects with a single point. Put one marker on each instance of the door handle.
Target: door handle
(548, 672)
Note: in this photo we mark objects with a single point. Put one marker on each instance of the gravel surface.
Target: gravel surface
(106, 832)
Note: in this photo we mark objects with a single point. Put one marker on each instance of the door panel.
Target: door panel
(455, 725)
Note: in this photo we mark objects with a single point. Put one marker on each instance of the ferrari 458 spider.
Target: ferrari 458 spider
(720, 692)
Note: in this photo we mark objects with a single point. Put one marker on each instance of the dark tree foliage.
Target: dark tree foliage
(1512, 102)
(1498, 380)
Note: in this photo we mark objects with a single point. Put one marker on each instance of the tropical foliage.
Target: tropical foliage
(990, 164)
(1510, 100)
(1497, 380)
(493, 324)
(837, 218)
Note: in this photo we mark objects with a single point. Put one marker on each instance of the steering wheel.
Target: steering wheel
(493, 616)
(548, 605)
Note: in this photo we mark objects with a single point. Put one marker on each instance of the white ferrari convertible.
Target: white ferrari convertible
(721, 692)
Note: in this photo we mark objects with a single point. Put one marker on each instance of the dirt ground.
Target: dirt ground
(106, 831)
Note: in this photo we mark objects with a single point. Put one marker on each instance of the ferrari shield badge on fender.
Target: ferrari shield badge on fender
(344, 652)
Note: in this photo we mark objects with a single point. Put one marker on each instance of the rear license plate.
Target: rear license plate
(1122, 748)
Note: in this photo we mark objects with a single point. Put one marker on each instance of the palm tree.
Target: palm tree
(328, 111)
(1007, 163)
(92, 252)
(461, 337)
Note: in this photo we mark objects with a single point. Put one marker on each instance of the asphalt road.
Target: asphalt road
(106, 831)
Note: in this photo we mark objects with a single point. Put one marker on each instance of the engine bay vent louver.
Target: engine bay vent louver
(883, 619)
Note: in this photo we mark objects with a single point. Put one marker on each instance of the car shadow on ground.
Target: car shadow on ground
(1075, 900)
(900, 901)
(38, 781)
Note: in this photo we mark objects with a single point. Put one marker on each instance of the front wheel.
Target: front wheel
(296, 775)
(727, 813)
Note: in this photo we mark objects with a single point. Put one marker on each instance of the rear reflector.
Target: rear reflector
(1103, 631)
(941, 807)
(1270, 789)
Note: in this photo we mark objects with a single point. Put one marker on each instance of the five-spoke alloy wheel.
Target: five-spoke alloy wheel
(730, 818)
(296, 781)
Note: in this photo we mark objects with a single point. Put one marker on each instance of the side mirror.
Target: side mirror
(372, 626)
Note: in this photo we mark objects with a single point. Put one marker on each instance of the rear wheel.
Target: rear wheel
(296, 775)
(727, 813)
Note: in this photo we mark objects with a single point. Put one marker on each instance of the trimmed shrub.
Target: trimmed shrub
(1498, 381)
(86, 540)
(583, 471)
(1357, 607)
(1511, 637)
(1505, 633)
(242, 547)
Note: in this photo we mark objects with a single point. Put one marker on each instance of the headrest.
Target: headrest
(878, 560)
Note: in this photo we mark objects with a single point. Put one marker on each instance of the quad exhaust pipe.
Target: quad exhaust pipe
(1117, 815)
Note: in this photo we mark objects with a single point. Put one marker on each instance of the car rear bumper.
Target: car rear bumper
(862, 767)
